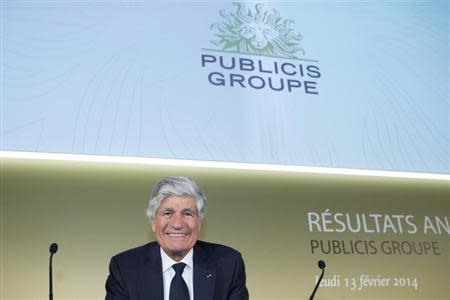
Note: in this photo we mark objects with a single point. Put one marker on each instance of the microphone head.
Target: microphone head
(53, 248)
(321, 264)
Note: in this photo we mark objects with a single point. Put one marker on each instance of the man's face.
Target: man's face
(176, 225)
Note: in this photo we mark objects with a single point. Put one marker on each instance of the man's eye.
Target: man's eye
(166, 214)
(188, 214)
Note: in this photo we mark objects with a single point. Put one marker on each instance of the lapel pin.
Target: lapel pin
(209, 275)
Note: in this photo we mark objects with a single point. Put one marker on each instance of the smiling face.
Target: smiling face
(176, 225)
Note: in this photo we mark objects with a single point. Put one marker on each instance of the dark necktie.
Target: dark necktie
(178, 287)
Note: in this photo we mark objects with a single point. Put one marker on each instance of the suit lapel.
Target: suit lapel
(204, 275)
(150, 284)
(150, 277)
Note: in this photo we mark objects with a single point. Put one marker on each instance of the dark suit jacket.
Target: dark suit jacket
(136, 274)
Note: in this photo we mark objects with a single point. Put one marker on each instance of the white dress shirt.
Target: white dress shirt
(169, 272)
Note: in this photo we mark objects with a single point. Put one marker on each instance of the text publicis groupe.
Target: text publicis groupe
(268, 73)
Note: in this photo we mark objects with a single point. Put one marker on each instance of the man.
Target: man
(177, 266)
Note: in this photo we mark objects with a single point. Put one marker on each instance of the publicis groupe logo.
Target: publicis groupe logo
(255, 48)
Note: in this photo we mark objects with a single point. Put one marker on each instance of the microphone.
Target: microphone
(53, 249)
(322, 266)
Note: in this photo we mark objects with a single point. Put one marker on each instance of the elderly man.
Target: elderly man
(177, 266)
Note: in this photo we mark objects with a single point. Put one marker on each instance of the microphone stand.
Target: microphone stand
(53, 249)
(321, 265)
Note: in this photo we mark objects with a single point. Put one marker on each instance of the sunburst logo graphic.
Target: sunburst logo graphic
(257, 49)
(257, 31)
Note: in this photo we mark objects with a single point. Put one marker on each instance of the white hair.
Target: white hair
(176, 186)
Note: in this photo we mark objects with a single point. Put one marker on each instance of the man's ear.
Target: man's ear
(152, 225)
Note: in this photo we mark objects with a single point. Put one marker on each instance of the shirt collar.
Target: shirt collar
(167, 262)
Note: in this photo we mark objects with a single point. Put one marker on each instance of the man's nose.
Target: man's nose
(177, 221)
